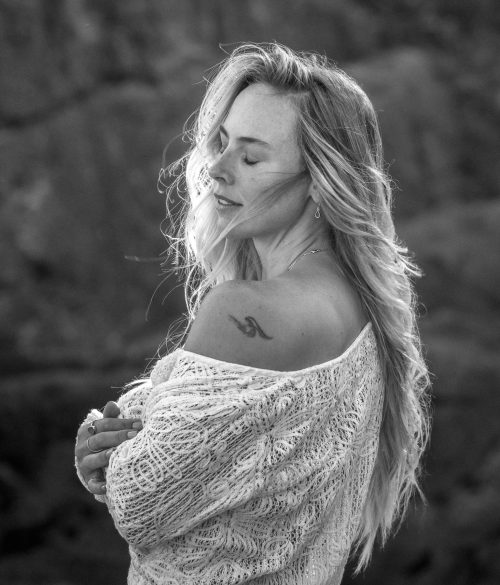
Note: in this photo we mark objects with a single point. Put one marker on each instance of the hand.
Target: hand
(110, 432)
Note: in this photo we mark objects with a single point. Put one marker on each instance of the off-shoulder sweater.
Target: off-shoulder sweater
(245, 475)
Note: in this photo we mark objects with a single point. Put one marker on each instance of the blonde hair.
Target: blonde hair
(339, 139)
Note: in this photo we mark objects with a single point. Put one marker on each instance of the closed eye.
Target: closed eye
(221, 146)
(249, 162)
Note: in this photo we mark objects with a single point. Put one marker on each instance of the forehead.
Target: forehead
(261, 112)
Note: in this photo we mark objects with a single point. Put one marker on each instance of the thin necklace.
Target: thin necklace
(315, 251)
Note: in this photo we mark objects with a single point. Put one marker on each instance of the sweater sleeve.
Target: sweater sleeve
(209, 446)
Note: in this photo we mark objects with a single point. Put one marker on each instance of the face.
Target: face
(258, 152)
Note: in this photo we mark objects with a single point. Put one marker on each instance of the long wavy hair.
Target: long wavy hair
(339, 139)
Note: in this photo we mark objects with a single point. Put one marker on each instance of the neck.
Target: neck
(276, 253)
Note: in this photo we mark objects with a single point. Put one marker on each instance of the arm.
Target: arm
(201, 452)
(210, 446)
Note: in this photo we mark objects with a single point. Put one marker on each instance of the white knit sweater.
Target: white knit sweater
(245, 475)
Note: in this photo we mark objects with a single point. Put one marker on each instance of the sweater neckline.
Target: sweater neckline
(323, 365)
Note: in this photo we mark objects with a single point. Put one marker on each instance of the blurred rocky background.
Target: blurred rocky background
(91, 91)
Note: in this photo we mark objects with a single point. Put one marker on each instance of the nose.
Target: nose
(219, 170)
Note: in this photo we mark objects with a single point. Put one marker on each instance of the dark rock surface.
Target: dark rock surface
(90, 94)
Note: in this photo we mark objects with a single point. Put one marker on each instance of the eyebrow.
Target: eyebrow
(246, 139)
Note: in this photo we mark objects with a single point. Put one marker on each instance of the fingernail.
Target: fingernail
(103, 487)
(137, 425)
(131, 434)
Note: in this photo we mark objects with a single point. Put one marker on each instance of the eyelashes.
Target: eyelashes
(219, 147)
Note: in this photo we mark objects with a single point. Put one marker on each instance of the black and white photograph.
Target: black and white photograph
(250, 292)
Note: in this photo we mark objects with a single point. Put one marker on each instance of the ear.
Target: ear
(313, 192)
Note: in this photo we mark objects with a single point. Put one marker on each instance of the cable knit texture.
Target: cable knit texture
(245, 475)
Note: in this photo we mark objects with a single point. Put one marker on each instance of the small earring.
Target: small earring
(317, 215)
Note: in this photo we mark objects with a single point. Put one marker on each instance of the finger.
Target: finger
(96, 487)
(92, 416)
(111, 410)
(94, 444)
(83, 429)
(92, 465)
(108, 439)
(96, 473)
(108, 424)
(118, 424)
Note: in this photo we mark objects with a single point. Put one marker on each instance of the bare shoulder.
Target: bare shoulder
(277, 325)
(238, 323)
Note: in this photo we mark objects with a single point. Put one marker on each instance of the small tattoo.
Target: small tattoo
(250, 328)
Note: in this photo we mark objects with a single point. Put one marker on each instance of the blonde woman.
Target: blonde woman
(287, 431)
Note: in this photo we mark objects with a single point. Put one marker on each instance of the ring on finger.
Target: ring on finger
(92, 428)
(90, 448)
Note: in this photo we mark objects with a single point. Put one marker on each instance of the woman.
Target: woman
(288, 429)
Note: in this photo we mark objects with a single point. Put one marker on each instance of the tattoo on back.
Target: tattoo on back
(250, 328)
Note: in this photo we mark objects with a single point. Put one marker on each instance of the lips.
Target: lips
(225, 200)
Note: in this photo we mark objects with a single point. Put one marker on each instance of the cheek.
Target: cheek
(260, 212)
(276, 216)
(264, 183)
(289, 208)
(256, 185)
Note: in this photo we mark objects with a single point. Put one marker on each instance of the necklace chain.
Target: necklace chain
(315, 251)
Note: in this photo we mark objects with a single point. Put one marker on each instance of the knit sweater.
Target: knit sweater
(245, 475)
